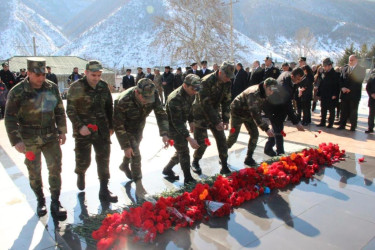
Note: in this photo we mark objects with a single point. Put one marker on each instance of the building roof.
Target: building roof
(60, 65)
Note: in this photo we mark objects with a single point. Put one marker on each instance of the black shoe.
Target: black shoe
(369, 131)
(340, 128)
(57, 209)
(249, 161)
(352, 129)
(196, 168)
(329, 125)
(81, 181)
(41, 208)
(321, 125)
(105, 194)
(270, 152)
(225, 170)
(189, 180)
(125, 168)
(170, 174)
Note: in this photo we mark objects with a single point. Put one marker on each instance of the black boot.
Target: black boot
(81, 181)
(224, 167)
(195, 167)
(188, 179)
(169, 172)
(57, 209)
(313, 106)
(125, 168)
(250, 161)
(105, 194)
(41, 208)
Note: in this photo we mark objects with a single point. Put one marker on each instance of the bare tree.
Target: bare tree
(304, 43)
(194, 30)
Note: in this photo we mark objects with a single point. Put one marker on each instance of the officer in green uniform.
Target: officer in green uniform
(179, 110)
(211, 111)
(90, 109)
(246, 109)
(35, 122)
(130, 112)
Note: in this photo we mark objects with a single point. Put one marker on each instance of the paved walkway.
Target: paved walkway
(335, 210)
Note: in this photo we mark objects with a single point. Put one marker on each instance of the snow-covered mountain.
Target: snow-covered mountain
(120, 32)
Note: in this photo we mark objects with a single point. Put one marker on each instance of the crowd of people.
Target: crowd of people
(225, 97)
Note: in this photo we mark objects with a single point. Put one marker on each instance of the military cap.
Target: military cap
(5, 64)
(194, 81)
(228, 69)
(94, 66)
(327, 61)
(268, 58)
(147, 89)
(203, 62)
(193, 64)
(36, 65)
(302, 58)
(128, 70)
(179, 68)
(24, 70)
(167, 67)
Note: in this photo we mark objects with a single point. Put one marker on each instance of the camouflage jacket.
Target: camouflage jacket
(249, 104)
(158, 81)
(212, 96)
(179, 110)
(87, 105)
(31, 113)
(130, 116)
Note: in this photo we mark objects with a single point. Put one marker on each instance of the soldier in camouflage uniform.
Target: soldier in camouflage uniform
(246, 109)
(90, 110)
(130, 112)
(158, 83)
(35, 122)
(179, 110)
(211, 111)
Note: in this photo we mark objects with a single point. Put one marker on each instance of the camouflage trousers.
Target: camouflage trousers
(182, 155)
(236, 123)
(52, 153)
(135, 161)
(83, 155)
(200, 134)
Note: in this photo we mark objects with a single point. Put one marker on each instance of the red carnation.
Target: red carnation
(171, 142)
(30, 156)
(207, 142)
(316, 136)
(232, 130)
(362, 159)
(93, 127)
(283, 133)
(319, 131)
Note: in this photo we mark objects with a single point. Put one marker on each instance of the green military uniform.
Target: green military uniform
(130, 119)
(179, 110)
(211, 106)
(36, 117)
(246, 109)
(88, 105)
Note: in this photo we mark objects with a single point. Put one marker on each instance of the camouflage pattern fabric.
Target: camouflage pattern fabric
(36, 118)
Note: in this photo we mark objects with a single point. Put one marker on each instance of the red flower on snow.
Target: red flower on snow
(171, 142)
(30, 156)
(362, 159)
(207, 142)
(319, 131)
(93, 127)
(232, 130)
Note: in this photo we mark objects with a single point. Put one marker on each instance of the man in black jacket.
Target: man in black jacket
(22, 75)
(204, 71)
(328, 92)
(74, 76)
(257, 74)
(194, 69)
(128, 80)
(370, 88)
(240, 81)
(167, 82)
(278, 106)
(270, 70)
(51, 76)
(149, 75)
(178, 78)
(7, 77)
(352, 77)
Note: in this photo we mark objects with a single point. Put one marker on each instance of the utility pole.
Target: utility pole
(34, 46)
(231, 31)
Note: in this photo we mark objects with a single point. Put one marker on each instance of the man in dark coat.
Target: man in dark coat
(7, 77)
(204, 71)
(352, 77)
(257, 74)
(328, 92)
(128, 80)
(194, 69)
(240, 81)
(270, 70)
(51, 76)
(22, 76)
(74, 76)
(149, 75)
(167, 82)
(140, 75)
(370, 88)
(177, 78)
